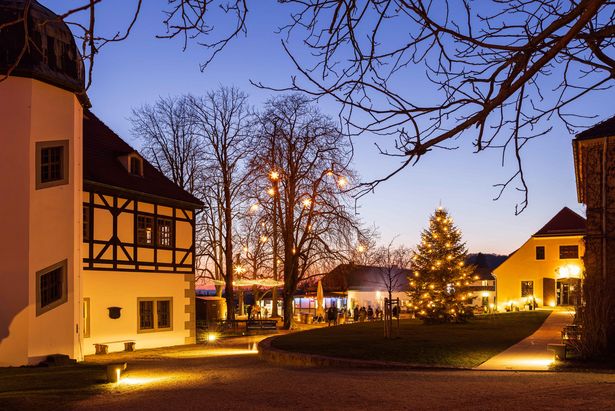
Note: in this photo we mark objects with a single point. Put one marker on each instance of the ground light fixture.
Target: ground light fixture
(114, 372)
(212, 337)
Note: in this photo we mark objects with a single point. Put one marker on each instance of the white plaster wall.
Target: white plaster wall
(122, 289)
(55, 221)
(15, 96)
(41, 226)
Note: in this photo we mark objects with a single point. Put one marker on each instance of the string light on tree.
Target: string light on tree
(439, 270)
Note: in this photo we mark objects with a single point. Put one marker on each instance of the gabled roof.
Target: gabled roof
(354, 277)
(603, 129)
(102, 149)
(485, 264)
(566, 222)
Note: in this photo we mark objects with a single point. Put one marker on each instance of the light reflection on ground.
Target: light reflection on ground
(211, 352)
(140, 380)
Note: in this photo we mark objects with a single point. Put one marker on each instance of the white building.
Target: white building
(365, 286)
(97, 245)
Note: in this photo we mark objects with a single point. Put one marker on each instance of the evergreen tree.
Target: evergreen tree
(439, 272)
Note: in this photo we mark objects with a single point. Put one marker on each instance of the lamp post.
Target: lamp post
(239, 270)
(274, 176)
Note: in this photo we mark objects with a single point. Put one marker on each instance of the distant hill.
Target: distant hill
(484, 260)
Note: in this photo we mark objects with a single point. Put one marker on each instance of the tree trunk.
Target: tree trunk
(291, 275)
(228, 253)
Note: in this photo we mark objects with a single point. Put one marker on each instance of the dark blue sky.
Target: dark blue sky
(140, 69)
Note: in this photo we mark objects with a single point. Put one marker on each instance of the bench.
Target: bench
(103, 348)
(559, 350)
(261, 325)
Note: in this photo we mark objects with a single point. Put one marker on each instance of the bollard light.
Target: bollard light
(114, 372)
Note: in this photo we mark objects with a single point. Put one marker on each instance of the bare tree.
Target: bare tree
(254, 236)
(222, 121)
(170, 141)
(201, 143)
(392, 264)
(309, 158)
(501, 69)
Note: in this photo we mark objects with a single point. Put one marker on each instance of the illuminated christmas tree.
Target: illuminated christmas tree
(439, 273)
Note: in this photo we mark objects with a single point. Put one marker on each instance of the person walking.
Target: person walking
(370, 313)
(355, 314)
(395, 312)
(362, 314)
(249, 312)
(331, 315)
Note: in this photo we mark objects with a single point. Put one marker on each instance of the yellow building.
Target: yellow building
(97, 245)
(547, 269)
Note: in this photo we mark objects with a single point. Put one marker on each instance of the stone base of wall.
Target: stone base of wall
(190, 309)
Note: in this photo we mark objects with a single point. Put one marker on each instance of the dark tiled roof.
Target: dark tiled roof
(485, 264)
(101, 165)
(566, 222)
(603, 129)
(52, 55)
(353, 277)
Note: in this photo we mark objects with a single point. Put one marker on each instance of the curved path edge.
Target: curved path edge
(267, 352)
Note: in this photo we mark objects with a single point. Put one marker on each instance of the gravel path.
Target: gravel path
(196, 379)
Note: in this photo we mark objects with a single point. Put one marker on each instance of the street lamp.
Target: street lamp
(342, 182)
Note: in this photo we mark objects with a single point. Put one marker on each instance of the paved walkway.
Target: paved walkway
(531, 353)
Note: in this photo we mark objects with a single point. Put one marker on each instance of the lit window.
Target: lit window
(568, 251)
(51, 289)
(155, 314)
(145, 230)
(165, 232)
(51, 163)
(527, 288)
(540, 252)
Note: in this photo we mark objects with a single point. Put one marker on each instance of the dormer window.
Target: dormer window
(133, 163)
(136, 166)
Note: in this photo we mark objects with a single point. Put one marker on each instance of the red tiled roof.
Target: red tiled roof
(605, 128)
(101, 165)
(566, 222)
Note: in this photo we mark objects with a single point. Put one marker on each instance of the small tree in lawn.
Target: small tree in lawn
(439, 272)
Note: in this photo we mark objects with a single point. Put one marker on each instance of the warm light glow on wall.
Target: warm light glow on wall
(569, 271)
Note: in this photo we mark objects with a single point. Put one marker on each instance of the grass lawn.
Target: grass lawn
(456, 345)
(33, 386)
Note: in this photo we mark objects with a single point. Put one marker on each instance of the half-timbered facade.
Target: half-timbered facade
(138, 231)
(97, 245)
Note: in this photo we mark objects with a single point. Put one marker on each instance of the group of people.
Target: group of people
(255, 312)
(357, 314)
(362, 314)
(369, 314)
